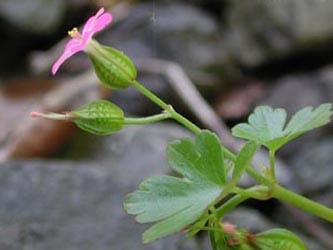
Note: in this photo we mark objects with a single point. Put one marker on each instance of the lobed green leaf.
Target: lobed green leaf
(268, 127)
(178, 202)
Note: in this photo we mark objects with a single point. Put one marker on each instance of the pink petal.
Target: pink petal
(89, 25)
(93, 25)
(96, 23)
(72, 47)
(99, 12)
(102, 22)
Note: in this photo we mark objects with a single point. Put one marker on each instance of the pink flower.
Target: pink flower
(79, 42)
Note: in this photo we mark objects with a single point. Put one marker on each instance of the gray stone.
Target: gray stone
(281, 28)
(179, 32)
(249, 219)
(33, 16)
(294, 92)
(325, 76)
(134, 148)
(324, 197)
(72, 205)
(313, 166)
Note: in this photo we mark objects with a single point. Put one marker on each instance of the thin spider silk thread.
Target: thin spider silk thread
(153, 29)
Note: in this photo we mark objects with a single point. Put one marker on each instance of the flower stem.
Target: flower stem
(249, 170)
(216, 237)
(302, 202)
(146, 120)
(230, 204)
(168, 108)
(191, 126)
(277, 191)
(272, 165)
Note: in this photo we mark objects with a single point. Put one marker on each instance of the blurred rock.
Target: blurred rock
(249, 219)
(238, 102)
(294, 92)
(314, 165)
(324, 197)
(283, 27)
(22, 136)
(33, 16)
(135, 148)
(326, 77)
(179, 32)
(78, 205)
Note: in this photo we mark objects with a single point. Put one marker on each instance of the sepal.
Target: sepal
(112, 67)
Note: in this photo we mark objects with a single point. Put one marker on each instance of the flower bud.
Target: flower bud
(113, 67)
(98, 117)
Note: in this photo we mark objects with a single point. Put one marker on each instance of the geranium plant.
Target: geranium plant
(192, 201)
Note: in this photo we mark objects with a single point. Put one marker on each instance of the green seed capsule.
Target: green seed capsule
(277, 239)
(112, 67)
(99, 117)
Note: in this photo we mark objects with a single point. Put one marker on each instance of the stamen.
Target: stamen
(74, 33)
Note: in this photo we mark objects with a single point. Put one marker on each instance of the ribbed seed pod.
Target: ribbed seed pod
(112, 67)
(99, 117)
(278, 239)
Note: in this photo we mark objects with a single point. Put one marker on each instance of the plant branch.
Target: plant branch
(272, 164)
(146, 120)
(230, 204)
(191, 126)
(302, 202)
(168, 108)
(184, 87)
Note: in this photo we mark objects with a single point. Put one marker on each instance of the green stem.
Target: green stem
(259, 192)
(150, 95)
(302, 202)
(249, 170)
(145, 120)
(272, 165)
(230, 204)
(216, 236)
(191, 126)
(213, 241)
(276, 190)
(219, 230)
(168, 108)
